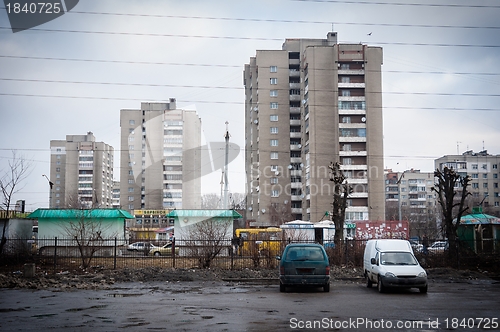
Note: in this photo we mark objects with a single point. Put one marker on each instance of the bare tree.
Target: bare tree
(447, 182)
(280, 213)
(209, 237)
(210, 201)
(17, 171)
(341, 191)
(87, 232)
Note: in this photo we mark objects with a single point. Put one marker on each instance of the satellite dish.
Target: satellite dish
(363, 119)
(256, 109)
(299, 146)
(301, 165)
(290, 166)
(250, 208)
(276, 173)
(263, 210)
(303, 101)
(256, 121)
(286, 201)
(257, 188)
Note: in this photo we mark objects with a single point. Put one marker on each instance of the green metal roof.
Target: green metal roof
(205, 213)
(75, 214)
(478, 218)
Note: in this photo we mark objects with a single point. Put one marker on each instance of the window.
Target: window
(130, 181)
(475, 185)
(346, 119)
(130, 189)
(274, 106)
(131, 122)
(485, 166)
(273, 117)
(495, 166)
(274, 168)
(274, 180)
(346, 161)
(275, 193)
(346, 93)
(273, 93)
(495, 176)
(474, 166)
(346, 147)
(485, 176)
(475, 176)
(274, 155)
(273, 69)
(485, 185)
(273, 81)
(274, 142)
(274, 130)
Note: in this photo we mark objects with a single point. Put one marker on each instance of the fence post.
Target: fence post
(232, 256)
(55, 254)
(114, 256)
(173, 252)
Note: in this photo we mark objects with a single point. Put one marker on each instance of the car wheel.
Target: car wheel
(423, 290)
(282, 288)
(380, 285)
(326, 288)
(369, 282)
(157, 253)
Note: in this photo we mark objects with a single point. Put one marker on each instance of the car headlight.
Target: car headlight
(390, 275)
(422, 275)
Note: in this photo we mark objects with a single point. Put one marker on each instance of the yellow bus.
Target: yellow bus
(259, 241)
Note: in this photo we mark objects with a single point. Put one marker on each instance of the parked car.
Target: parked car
(392, 264)
(417, 247)
(304, 265)
(438, 247)
(140, 246)
(165, 250)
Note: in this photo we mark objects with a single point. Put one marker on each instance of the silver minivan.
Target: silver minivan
(390, 263)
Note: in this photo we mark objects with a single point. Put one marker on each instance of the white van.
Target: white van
(392, 264)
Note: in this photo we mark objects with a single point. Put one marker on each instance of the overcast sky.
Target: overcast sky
(441, 73)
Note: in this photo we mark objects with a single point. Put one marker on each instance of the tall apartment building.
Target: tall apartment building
(81, 171)
(483, 170)
(409, 193)
(309, 104)
(160, 157)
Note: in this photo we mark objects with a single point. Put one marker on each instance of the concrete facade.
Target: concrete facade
(81, 171)
(483, 170)
(160, 157)
(312, 103)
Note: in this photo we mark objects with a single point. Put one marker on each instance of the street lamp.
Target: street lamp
(51, 185)
(399, 193)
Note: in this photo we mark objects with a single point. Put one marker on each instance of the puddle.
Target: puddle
(123, 295)
(92, 307)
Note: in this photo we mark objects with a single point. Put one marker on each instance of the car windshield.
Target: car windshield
(397, 258)
(305, 254)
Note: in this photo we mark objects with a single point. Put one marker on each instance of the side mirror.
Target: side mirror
(278, 257)
(373, 261)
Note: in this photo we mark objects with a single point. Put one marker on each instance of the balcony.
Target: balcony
(296, 210)
(296, 172)
(351, 85)
(353, 153)
(294, 122)
(295, 147)
(352, 98)
(343, 111)
(351, 139)
(296, 185)
(294, 73)
(299, 135)
(295, 86)
(295, 159)
(294, 97)
(295, 110)
(351, 71)
(352, 125)
(353, 167)
(357, 181)
(296, 198)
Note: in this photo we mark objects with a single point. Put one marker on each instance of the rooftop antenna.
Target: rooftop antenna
(458, 147)
(226, 137)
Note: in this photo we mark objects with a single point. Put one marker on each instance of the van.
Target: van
(304, 264)
(390, 263)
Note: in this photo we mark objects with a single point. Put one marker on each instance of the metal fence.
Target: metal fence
(55, 255)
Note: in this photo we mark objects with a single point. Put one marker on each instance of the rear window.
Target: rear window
(305, 254)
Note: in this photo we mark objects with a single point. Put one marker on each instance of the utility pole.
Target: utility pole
(226, 161)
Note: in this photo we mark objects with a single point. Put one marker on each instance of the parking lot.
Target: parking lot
(242, 306)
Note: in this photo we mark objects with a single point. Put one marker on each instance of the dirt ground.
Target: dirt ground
(105, 279)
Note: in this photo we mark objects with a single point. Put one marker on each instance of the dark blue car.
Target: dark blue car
(304, 265)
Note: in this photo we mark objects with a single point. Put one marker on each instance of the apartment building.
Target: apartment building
(160, 157)
(409, 197)
(483, 170)
(311, 103)
(81, 172)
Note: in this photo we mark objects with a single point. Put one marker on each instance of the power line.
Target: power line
(241, 38)
(238, 102)
(228, 66)
(260, 20)
(239, 88)
(411, 4)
